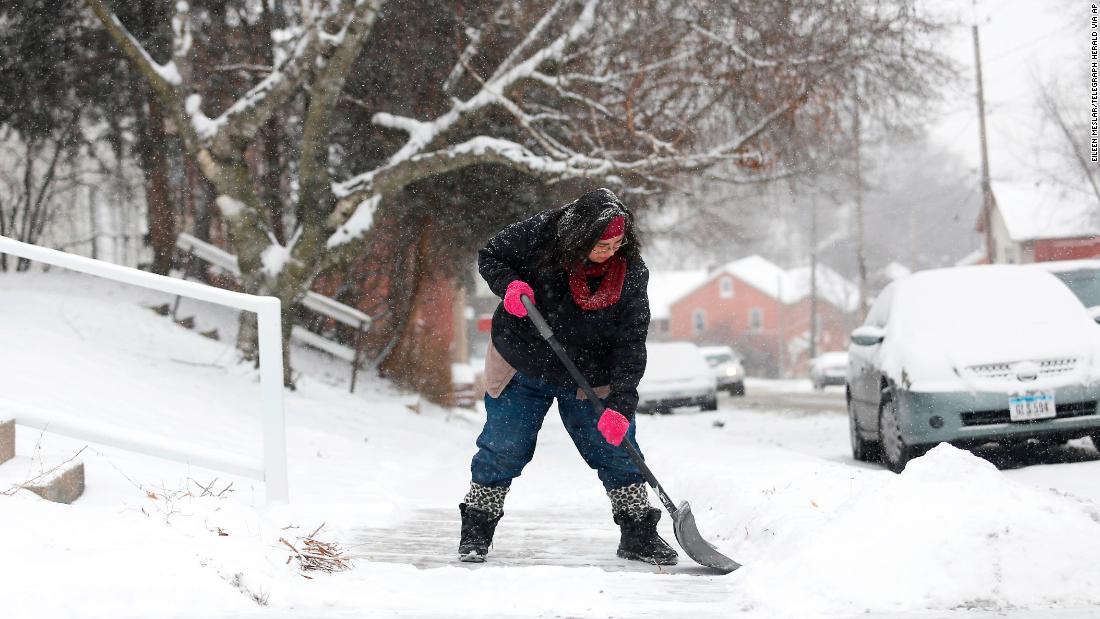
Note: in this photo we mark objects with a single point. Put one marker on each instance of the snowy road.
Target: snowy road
(794, 396)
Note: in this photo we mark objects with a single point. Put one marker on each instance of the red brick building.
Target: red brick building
(1037, 222)
(764, 311)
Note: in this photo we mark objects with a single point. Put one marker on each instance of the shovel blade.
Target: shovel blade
(700, 550)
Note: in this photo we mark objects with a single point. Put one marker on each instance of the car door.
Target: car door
(864, 373)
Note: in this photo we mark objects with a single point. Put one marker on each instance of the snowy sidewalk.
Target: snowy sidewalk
(524, 538)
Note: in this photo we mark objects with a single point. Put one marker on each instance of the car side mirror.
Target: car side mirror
(868, 335)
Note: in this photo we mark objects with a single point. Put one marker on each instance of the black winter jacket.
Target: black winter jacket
(607, 345)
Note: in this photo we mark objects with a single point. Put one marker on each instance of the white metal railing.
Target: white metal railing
(271, 468)
(313, 301)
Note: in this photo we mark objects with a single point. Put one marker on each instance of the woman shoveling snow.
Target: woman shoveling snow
(581, 265)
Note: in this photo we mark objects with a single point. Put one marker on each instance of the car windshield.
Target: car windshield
(719, 359)
(1084, 283)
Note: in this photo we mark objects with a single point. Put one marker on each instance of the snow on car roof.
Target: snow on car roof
(966, 316)
(674, 359)
(838, 356)
(1041, 211)
(958, 293)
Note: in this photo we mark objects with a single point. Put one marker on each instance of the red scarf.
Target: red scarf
(613, 271)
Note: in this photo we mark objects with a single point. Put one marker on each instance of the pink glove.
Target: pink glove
(613, 426)
(512, 303)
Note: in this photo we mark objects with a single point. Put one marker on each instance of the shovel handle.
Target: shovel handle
(597, 405)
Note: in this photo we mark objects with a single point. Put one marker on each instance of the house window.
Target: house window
(699, 321)
(725, 288)
(756, 319)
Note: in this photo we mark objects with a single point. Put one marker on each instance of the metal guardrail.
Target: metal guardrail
(271, 468)
(315, 302)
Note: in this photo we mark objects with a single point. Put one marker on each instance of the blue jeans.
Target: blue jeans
(512, 423)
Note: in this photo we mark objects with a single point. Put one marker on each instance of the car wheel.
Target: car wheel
(710, 403)
(818, 386)
(862, 450)
(895, 453)
(737, 389)
(1095, 440)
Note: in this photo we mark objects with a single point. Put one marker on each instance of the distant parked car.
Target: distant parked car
(676, 374)
(968, 356)
(829, 368)
(1082, 277)
(726, 367)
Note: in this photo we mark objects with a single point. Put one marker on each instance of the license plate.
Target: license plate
(1032, 404)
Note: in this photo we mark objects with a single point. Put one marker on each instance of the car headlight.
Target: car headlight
(733, 371)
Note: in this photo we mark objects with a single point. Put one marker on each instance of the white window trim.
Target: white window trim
(725, 288)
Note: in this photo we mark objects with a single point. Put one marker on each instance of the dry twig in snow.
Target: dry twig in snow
(317, 555)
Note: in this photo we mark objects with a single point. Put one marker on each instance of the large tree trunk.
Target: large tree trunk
(271, 177)
(160, 214)
(421, 359)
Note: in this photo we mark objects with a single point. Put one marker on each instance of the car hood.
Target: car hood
(974, 357)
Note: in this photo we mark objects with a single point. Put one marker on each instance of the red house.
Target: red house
(764, 312)
(1037, 222)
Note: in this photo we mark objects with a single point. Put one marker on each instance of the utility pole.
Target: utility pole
(987, 191)
(93, 215)
(813, 275)
(861, 258)
(781, 328)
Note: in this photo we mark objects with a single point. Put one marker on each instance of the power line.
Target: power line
(1026, 45)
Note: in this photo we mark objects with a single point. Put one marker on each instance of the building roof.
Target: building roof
(1043, 211)
(831, 286)
(788, 286)
(665, 287)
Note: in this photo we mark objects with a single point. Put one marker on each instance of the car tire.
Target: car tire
(818, 386)
(1095, 440)
(710, 403)
(895, 452)
(863, 450)
(737, 389)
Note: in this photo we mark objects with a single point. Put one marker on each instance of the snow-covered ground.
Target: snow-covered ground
(820, 535)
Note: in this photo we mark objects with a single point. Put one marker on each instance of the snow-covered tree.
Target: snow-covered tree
(624, 93)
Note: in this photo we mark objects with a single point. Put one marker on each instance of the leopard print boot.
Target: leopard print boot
(481, 511)
(637, 522)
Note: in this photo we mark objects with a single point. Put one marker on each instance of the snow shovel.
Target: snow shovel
(683, 521)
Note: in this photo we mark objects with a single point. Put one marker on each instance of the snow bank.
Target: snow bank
(950, 532)
(81, 557)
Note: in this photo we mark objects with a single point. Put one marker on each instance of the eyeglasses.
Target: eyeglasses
(604, 247)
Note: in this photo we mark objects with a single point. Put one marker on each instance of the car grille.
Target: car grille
(1003, 371)
(1063, 411)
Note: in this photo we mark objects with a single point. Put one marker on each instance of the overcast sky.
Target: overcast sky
(1022, 42)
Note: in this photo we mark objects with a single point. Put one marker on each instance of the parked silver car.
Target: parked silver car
(830, 368)
(726, 367)
(676, 375)
(969, 356)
